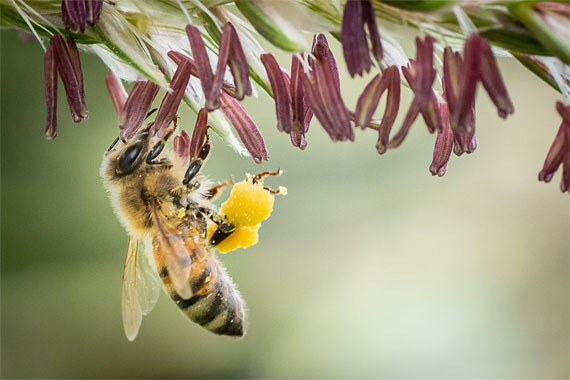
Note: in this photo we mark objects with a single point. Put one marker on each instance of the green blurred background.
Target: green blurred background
(370, 267)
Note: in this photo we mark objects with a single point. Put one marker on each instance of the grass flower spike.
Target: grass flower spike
(208, 55)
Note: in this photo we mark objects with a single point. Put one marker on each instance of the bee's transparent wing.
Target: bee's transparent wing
(148, 281)
(141, 286)
(131, 309)
(170, 243)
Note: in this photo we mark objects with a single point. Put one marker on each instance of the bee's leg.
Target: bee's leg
(225, 228)
(203, 223)
(220, 220)
(262, 175)
(159, 146)
(275, 192)
(215, 191)
(197, 162)
(259, 177)
(219, 236)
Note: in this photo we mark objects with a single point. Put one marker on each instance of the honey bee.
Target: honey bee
(158, 199)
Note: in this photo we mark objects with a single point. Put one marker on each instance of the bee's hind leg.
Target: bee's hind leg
(225, 228)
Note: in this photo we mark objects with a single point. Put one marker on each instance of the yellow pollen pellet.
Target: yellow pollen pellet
(248, 205)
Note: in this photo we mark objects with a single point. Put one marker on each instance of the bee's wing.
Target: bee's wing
(141, 287)
(148, 283)
(169, 243)
(131, 309)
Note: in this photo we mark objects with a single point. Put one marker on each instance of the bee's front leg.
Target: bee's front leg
(196, 163)
(159, 146)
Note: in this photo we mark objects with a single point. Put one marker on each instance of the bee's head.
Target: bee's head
(131, 155)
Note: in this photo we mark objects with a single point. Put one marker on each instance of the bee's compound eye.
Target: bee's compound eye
(130, 159)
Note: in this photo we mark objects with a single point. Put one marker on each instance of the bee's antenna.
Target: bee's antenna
(113, 144)
(145, 130)
(149, 114)
(148, 127)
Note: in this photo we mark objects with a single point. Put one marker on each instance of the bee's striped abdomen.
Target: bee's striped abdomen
(215, 304)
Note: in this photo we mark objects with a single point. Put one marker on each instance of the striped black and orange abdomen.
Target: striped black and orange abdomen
(215, 304)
